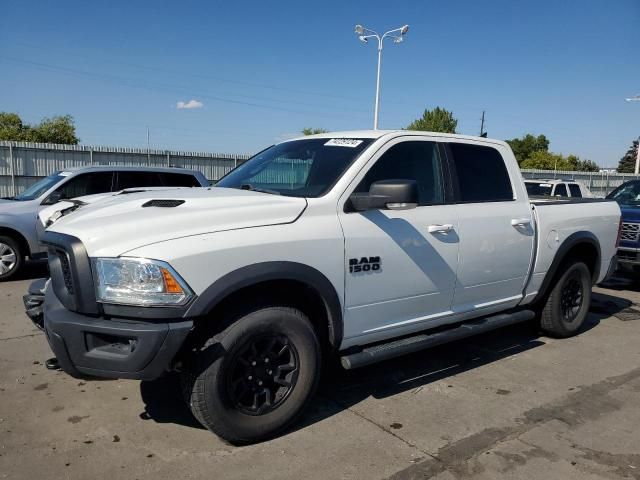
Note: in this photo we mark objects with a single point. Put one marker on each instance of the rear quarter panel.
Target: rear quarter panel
(557, 221)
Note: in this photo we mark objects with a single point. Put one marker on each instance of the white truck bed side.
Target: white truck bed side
(556, 221)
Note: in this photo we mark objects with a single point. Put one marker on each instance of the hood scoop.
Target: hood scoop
(162, 203)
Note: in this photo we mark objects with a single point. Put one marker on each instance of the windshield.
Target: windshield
(627, 194)
(535, 189)
(301, 168)
(37, 189)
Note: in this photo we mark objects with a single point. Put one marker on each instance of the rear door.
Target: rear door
(400, 264)
(495, 229)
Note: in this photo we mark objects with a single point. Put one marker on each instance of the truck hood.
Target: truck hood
(48, 215)
(116, 225)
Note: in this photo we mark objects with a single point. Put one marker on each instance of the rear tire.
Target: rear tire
(252, 380)
(568, 303)
(11, 257)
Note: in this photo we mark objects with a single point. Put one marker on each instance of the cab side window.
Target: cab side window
(86, 184)
(561, 190)
(411, 160)
(132, 179)
(482, 174)
(574, 188)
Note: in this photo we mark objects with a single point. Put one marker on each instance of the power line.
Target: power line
(171, 88)
(211, 77)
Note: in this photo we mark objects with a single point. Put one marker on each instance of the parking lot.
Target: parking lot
(509, 404)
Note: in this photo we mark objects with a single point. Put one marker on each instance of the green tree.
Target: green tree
(545, 160)
(60, 129)
(436, 120)
(313, 131)
(11, 127)
(627, 163)
(524, 147)
(587, 165)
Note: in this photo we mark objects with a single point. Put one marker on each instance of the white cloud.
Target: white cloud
(189, 104)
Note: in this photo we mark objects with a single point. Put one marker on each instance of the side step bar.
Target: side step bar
(396, 348)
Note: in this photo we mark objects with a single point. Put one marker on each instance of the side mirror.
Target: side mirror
(387, 194)
(53, 198)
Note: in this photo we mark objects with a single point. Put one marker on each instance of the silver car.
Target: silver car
(20, 228)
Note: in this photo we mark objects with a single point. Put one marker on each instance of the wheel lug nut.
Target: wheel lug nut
(260, 382)
(270, 372)
(253, 364)
(266, 360)
(250, 377)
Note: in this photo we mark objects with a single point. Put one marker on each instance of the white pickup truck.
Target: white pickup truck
(359, 245)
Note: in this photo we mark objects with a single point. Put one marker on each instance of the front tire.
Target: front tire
(11, 257)
(252, 380)
(568, 303)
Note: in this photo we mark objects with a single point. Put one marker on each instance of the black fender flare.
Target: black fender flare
(573, 240)
(280, 270)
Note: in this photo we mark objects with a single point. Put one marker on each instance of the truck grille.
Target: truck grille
(630, 231)
(66, 272)
(70, 271)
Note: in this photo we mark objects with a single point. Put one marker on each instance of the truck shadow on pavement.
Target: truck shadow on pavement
(340, 390)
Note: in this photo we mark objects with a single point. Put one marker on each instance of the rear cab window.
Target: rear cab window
(536, 189)
(574, 188)
(481, 173)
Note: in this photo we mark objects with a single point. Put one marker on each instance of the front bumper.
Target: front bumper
(33, 302)
(629, 258)
(111, 348)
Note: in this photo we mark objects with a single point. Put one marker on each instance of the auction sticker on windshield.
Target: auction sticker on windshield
(343, 142)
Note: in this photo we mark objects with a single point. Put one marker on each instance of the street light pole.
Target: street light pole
(375, 111)
(364, 34)
(636, 98)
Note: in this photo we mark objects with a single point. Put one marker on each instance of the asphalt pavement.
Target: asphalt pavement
(508, 404)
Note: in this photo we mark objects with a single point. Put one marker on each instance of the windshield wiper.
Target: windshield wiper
(248, 186)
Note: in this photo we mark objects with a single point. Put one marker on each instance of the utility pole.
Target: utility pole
(636, 98)
(148, 148)
(482, 132)
(637, 170)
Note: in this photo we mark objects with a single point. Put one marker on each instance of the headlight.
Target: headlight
(139, 281)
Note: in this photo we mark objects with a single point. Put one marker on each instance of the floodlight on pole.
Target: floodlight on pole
(364, 34)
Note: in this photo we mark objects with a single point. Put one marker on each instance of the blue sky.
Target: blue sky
(264, 70)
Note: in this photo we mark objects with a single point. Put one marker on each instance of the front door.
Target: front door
(400, 264)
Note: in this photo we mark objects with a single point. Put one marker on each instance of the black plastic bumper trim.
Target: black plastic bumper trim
(109, 348)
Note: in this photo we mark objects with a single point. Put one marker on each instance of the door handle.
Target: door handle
(446, 228)
(520, 222)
